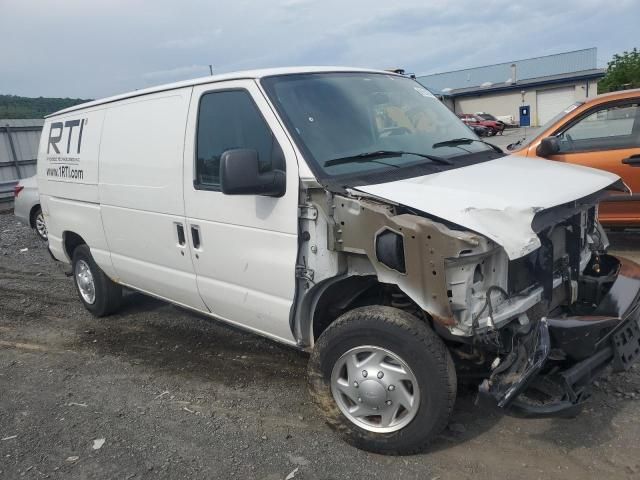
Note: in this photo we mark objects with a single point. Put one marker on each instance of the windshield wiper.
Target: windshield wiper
(369, 156)
(458, 141)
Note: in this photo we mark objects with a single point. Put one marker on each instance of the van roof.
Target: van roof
(245, 74)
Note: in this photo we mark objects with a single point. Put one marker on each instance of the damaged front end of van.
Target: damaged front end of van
(528, 301)
(567, 311)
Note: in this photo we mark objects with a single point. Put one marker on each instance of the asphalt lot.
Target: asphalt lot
(157, 392)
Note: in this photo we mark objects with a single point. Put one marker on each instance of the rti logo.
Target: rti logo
(57, 130)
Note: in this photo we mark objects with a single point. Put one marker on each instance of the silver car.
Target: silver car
(27, 206)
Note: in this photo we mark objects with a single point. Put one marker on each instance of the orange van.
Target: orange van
(602, 132)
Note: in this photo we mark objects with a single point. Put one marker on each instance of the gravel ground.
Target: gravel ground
(157, 392)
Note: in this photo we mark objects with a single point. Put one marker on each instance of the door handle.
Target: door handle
(181, 238)
(633, 160)
(195, 236)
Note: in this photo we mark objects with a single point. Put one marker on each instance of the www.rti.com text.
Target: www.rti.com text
(64, 171)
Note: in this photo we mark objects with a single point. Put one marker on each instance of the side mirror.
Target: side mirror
(548, 146)
(240, 175)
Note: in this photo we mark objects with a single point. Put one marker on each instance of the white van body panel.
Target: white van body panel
(246, 261)
(136, 187)
(141, 194)
(68, 182)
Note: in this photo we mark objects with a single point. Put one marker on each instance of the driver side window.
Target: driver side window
(612, 127)
(229, 120)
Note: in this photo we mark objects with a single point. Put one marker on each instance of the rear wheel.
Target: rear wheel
(37, 221)
(99, 294)
(384, 380)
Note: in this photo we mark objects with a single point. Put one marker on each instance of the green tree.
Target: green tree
(12, 106)
(623, 72)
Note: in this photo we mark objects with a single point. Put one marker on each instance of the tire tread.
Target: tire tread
(108, 293)
(412, 326)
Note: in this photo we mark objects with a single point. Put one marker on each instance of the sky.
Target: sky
(97, 48)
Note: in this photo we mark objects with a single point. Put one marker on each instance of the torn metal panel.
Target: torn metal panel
(549, 369)
(359, 221)
(498, 198)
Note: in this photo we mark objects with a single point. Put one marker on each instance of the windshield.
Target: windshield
(350, 124)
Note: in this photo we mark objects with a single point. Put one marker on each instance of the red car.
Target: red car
(471, 119)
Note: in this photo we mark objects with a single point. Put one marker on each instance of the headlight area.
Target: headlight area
(478, 290)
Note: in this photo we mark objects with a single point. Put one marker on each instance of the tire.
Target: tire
(38, 224)
(406, 338)
(107, 295)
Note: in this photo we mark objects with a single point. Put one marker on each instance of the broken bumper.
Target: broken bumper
(565, 355)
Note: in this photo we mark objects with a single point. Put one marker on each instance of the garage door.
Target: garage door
(553, 101)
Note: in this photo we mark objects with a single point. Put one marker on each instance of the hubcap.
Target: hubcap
(375, 389)
(84, 280)
(41, 227)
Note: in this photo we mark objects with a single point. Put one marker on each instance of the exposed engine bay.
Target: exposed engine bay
(512, 324)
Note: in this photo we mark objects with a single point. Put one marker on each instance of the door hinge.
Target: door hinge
(304, 272)
(308, 212)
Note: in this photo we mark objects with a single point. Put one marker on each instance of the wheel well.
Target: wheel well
(32, 215)
(358, 291)
(71, 242)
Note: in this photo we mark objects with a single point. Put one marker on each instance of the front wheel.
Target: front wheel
(384, 380)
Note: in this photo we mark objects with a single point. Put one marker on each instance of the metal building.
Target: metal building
(19, 141)
(546, 84)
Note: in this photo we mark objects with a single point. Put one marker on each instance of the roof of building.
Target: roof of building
(531, 82)
(241, 75)
(561, 66)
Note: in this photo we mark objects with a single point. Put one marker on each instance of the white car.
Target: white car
(26, 206)
(347, 213)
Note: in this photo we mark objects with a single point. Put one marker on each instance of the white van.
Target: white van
(350, 214)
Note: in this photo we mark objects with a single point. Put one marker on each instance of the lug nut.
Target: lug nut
(388, 402)
(380, 374)
(365, 373)
(355, 384)
(392, 388)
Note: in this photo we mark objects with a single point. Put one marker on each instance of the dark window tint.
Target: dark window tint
(228, 120)
(611, 127)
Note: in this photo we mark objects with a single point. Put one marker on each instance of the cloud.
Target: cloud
(93, 49)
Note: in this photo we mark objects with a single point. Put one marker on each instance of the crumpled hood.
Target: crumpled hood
(498, 198)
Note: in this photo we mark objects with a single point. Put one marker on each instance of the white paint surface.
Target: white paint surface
(498, 198)
(246, 261)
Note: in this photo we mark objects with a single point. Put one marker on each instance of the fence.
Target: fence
(19, 141)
